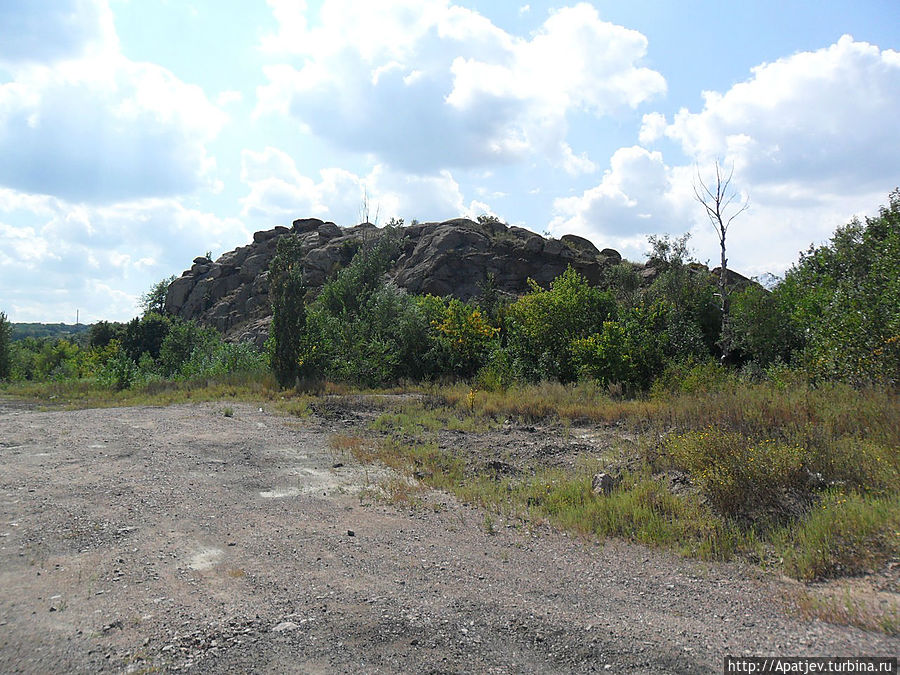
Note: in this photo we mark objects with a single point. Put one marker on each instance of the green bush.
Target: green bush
(460, 337)
(742, 478)
(759, 328)
(694, 377)
(145, 334)
(543, 325)
(845, 534)
(688, 292)
(844, 300)
(185, 342)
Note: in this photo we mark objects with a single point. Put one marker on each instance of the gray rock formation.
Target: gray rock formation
(456, 257)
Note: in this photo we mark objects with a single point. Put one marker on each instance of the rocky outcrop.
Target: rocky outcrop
(456, 257)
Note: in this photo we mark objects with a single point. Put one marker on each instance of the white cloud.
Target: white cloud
(95, 126)
(641, 195)
(638, 195)
(653, 127)
(228, 97)
(431, 85)
(100, 260)
(811, 123)
(812, 138)
(279, 193)
(43, 33)
(576, 164)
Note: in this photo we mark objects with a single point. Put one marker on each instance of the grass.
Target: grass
(806, 479)
(850, 608)
(844, 534)
(415, 418)
(77, 394)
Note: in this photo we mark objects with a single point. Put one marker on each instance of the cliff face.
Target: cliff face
(455, 257)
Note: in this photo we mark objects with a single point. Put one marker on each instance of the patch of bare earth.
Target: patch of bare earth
(178, 538)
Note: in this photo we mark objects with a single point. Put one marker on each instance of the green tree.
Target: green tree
(759, 328)
(186, 341)
(845, 300)
(104, 332)
(288, 296)
(461, 334)
(542, 325)
(688, 292)
(154, 301)
(630, 351)
(5, 352)
(145, 335)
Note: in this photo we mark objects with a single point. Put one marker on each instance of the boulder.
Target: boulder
(603, 483)
(581, 244)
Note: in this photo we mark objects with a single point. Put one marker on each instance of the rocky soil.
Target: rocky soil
(179, 538)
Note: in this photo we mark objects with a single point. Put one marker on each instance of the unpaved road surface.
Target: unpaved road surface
(157, 539)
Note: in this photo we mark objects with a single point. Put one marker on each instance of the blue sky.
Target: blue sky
(138, 134)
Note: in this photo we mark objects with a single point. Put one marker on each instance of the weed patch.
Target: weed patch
(847, 533)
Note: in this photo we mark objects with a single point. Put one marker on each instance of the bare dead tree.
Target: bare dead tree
(717, 199)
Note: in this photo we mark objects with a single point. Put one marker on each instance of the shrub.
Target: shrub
(461, 337)
(844, 299)
(120, 371)
(186, 341)
(739, 477)
(145, 334)
(543, 325)
(845, 534)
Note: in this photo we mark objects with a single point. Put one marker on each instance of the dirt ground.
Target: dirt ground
(156, 539)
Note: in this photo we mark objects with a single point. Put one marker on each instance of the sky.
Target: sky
(136, 135)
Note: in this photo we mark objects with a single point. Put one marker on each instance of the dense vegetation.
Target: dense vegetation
(834, 317)
(147, 349)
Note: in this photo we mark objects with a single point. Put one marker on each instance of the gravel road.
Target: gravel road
(160, 539)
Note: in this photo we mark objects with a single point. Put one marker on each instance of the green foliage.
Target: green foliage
(119, 371)
(104, 332)
(186, 340)
(740, 477)
(154, 300)
(845, 301)
(72, 332)
(5, 340)
(543, 325)
(845, 534)
(759, 328)
(460, 336)
(688, 291)
(47, 359)
(693, 376)
(361, 329)
(288, 295)
(629, 352)
(145, 334)
(186, 351)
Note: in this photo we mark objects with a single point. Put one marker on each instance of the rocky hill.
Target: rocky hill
(455, 257)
